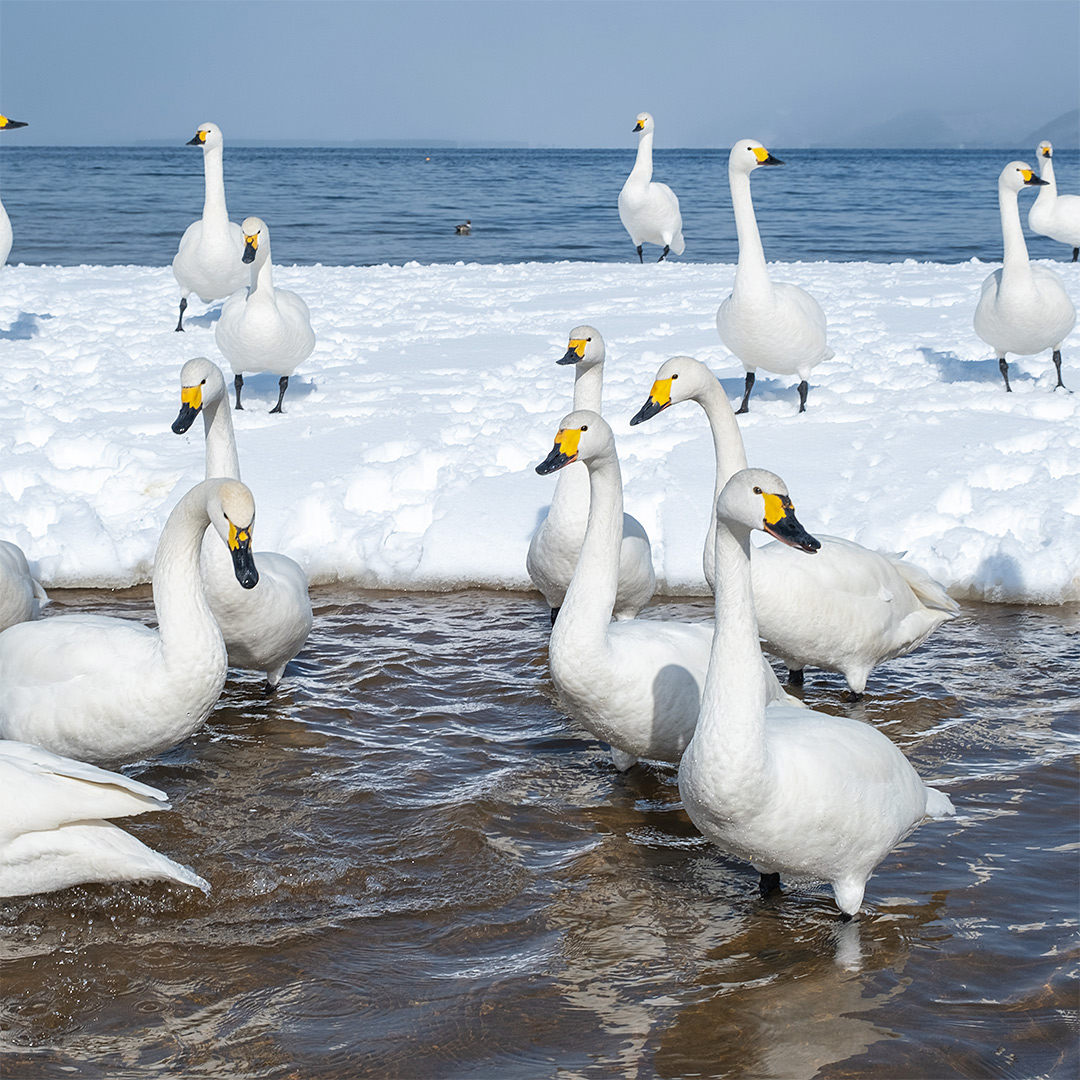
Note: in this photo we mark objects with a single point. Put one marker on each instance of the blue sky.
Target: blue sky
(539, 72)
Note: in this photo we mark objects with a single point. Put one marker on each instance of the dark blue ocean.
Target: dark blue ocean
(348, 206)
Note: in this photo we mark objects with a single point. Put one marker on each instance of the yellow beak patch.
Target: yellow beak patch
(567, 440)
(252, 241)
(761, 153)
(577, 345)
(191, 396)
(661, 392)
(238, 537)
(776, 508)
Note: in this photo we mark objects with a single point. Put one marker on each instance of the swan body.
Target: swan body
(635, 684)
(54, 827)
(209, 259)
(1023, 307)
(648, 209)
(1051, 214)
(263, 328)
(21, 596)
(766, 323)
(849, 608)
(263, 628)
(112, 690)
(6, 235)
(800, 794)
(554, 547)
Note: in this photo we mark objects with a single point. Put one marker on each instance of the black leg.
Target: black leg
(804, 389)
(554, 615)
(1057, 364)
(238, 382)
(183, 308)
(745, 406)
(795, 678)
(1003, 364)
(664, 253)
(1076, 252)
(641, 257)
(283, 382)
(769, 883)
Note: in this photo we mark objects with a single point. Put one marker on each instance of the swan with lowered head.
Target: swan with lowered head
(54, 827)
(848, 609)
(801, 795)
(1023, 307)
(1051, 214)
(554, 547)
(636, 684)
(208, 261)
(21, 595)
(263, 328)
(112, 690)
(765, 323)
(264, 628)
(648, 209)
(6, 236)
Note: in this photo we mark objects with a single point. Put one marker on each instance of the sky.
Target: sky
(535, 72)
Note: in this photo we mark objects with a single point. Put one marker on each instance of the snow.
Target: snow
(405, 457)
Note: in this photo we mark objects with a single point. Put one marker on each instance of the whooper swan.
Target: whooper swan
(7, 124)
(1051, 214)
(648, 209)
(21, 595)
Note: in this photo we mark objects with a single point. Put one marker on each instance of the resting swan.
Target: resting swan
(848, 609)
(765, 323)
(263, 328)
(648, 209)
(264, 628)
(799, 794)
(112, 690)
(54, 831)
(6, 235)
(21, 595)
(635, 684)
(208, 261)
(553, 550)
(1024, 307)
(1051, 214)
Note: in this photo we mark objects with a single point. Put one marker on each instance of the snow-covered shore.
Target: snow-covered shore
(404, 458)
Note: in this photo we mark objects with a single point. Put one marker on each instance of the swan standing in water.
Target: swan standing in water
(6, 235)
(848, 609)
(554, 547)
(1023, 308)
(648, 209)
(21, 596)
(765, 323)
(263, 328)
(264, 628)
(112, 690)
(54, 831)
(799, 794)
(208, 261)
(1051, 214)
(636, 684)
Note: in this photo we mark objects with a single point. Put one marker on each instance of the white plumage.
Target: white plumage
(21, 595)
(648, 209)
(6, 235)
(1051, 214)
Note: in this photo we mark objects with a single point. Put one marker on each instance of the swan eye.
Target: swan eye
(675, 376)
(584, 427)
(758, 491)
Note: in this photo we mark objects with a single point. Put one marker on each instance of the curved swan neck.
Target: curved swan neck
(1015, 258)
(642, 169)
(588, 387)
(1046, 172)
(214, 172)
(221, 456)
(262, 276)
(751, 268)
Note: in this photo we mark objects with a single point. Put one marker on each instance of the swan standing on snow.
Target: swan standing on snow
(648, 209)
(264, 628)
(765, 323)
(1023, 308)
(54, 831)
(799, 794)
(21, 596)
(263, 328)
(636, 684)
(112, 690)
(5, 222)
(553, 550)
(848, 609)
(208, 261)
(1051, 214)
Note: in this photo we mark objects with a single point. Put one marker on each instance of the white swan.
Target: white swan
(21, 595)
(112, 690)
(264, 628)
(1023, 307)
(765, 323)
(554, 547)
(648, 209)
(848, 609)
(54, 831)
(799, 794)
(208, 261)
(263, 328)
(636, 684)
(1051, 214)
(6, 235)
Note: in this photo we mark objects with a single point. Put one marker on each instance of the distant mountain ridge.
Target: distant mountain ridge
(924, 129)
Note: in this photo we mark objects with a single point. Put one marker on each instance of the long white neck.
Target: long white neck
(588, 386)
(221, 456)
(214, 211)
(1016, 262)
(569, 493)
(642, 170)
(751, 271)
(1046, 172)
(262, 278)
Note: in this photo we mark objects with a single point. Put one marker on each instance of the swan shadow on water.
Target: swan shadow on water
(24, 327)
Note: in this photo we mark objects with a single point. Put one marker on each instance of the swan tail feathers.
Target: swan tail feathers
(930, 593)
(938, 805)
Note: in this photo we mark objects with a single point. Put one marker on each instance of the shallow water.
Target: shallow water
(420, 868)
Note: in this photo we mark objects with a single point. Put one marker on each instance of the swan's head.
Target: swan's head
(256, 239)
(748, 154)
(758, 499)
(1017, 175)
(585, 347)
(207, 136)
(679, 379)
(644, 123)
(232, 513)
(582, 436)
(6, 123)
(1044, 149)
(201, 383)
